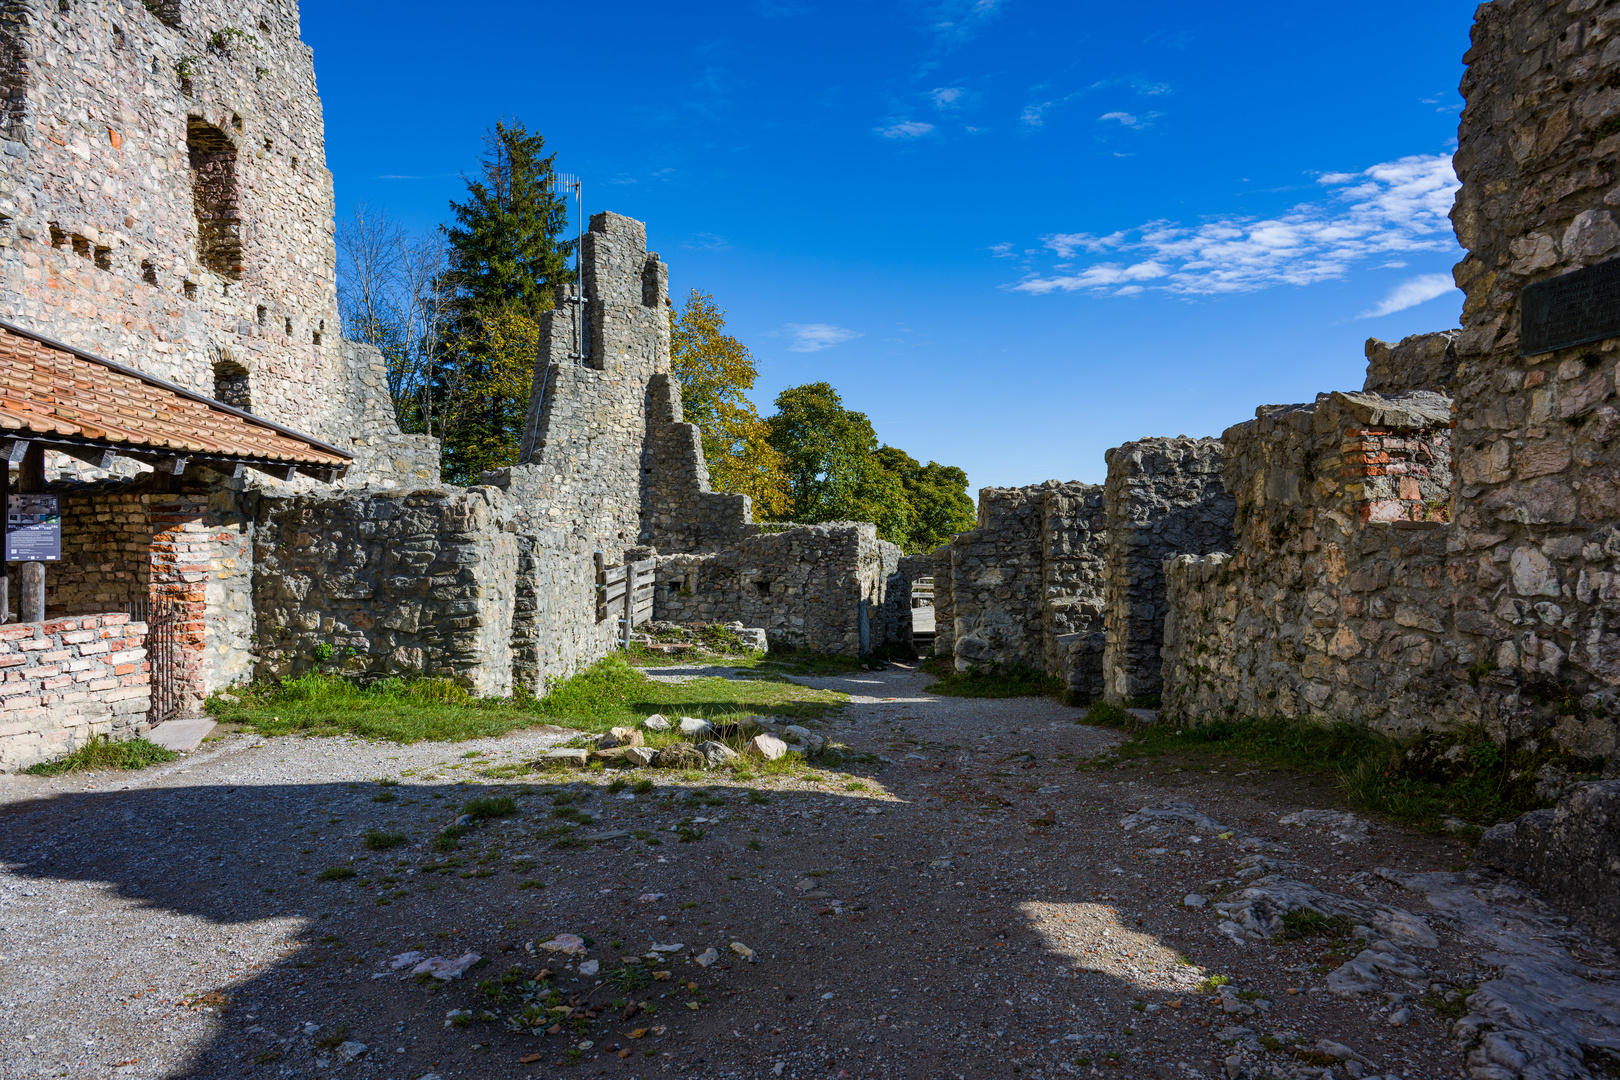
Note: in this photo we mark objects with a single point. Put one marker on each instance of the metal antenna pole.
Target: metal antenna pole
(579, 267)
(564, 181)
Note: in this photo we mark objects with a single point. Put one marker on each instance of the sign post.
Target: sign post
(33, 537)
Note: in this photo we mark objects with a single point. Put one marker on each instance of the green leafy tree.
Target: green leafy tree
(829, 458)
(715, 371)
(503, 257)
(940, 504)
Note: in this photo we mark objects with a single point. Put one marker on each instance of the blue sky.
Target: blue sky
(1013, 232)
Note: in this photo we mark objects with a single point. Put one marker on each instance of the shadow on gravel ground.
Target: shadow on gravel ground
(967, 906)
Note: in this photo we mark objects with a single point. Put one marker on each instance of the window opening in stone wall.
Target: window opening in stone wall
(166, 12)
(289, 328)
(215, 198)
(764, 587)
(190, 289)
(264, 316)
(295, 161)
(148, 272)
(264, 27)
(81, 246)
(317, 334)
(58, 237)
(118, 36)
(236, 122)
(231, 385)
(103, 258)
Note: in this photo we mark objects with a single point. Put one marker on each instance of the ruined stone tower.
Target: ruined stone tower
(166, 204)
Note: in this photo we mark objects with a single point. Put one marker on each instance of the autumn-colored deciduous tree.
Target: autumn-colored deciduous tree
(715, 371)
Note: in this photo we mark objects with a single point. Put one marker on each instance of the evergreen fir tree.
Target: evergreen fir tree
(504, 258)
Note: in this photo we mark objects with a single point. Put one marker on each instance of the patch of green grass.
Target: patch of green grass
(490, 806)
(795, 661)
(1104, 714)
(1213, 983)
(383, 841)
(1373, 772)
(102, 753)
(607, 694)
(335, 873)
(1303, 922)
(1453, 1004)
(995, 681)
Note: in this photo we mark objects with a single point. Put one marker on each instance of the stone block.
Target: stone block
(765, 747)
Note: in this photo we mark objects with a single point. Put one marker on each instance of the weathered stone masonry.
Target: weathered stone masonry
(818, 587)
(1162, 497)
(505, 597)
(1332, 605)
(184, 226)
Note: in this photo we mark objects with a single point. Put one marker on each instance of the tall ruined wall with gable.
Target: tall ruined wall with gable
(166, 204)
(581, 463)
(1536, 551)
(606, 452)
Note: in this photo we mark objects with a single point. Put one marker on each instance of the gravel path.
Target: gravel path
(956, 901)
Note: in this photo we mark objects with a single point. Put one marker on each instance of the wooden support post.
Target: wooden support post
(629, 600)
(31, 478)
(599, 607)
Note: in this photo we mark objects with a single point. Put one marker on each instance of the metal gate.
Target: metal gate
(162, 618)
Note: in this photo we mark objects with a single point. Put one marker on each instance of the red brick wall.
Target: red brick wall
(65, 680)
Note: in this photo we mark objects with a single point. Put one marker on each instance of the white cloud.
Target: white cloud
(813, 337)
(957, 20)
(906, 129)
(1123, 117)
(1390, 210)
(706, 241)
(1411, 293)
(1003, 250)
(946, 96)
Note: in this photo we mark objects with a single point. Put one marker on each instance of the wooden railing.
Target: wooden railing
(625, 591)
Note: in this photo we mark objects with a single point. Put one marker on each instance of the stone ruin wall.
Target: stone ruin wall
(184, 227)
(1073, 525)
(388, 583)
(432, 579)
(997, 591)
(180, 220)
(1162, 497)
(1023, 588)
(682, 512)
(580, 460)
(1536, 550)
(824, 587)
(1332, 603)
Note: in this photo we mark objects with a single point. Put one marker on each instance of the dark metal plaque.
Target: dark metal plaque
(1572, 309)
(34, 529)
